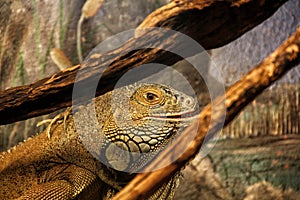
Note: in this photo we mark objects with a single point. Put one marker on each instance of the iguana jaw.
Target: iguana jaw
(179, 117)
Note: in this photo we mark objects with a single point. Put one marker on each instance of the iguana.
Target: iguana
(56, 164)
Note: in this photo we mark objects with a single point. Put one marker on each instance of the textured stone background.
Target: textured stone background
(241, 55)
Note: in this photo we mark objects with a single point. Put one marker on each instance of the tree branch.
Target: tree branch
(237, 97)
(212, 23)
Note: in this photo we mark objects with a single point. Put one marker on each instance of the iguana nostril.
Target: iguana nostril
(188, 102)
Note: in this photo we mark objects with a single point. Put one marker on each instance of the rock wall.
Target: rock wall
(238, 57)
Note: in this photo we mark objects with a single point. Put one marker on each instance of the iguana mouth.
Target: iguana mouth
(184, 116)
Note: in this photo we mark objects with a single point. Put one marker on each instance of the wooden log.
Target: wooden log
(212, 23)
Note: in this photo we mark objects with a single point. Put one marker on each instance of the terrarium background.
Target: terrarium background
(30, 29)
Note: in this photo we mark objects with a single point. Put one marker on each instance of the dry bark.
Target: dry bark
(211, 23)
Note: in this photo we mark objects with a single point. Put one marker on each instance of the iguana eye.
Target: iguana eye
(151, 96)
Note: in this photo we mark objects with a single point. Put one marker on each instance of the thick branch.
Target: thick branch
(212, 23)
(237, 97)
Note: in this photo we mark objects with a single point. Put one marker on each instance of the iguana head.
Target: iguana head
(160, 102)
(145, 118)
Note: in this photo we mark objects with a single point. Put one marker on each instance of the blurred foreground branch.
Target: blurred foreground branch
(210, 121)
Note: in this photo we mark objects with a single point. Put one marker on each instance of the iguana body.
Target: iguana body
(144, 119)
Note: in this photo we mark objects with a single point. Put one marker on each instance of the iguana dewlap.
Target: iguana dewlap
(134, 120)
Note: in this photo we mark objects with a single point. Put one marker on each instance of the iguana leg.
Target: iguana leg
(56, 119)
(71, 183)
(60, 189)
